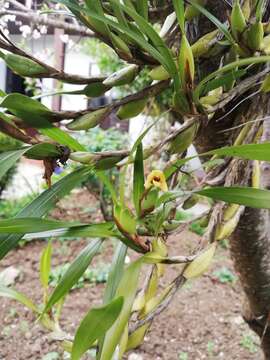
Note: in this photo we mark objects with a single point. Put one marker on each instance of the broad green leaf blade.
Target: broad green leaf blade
(43, 203)
(38, 115)
(43, 151)
(15, 295)
(100, 230)
(127, 288)
(255, 198)
(95, 325)
(32, 225)
(45, 264)
(223, 28)
(24, 104)
(180, 13)
(138, 178)
(73, 273)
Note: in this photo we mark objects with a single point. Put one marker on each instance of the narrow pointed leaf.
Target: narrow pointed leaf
(15, 295)
(73, 273)
(222, 27)
(39, 151)
(38, 115)
(180, 13)
(95, 325)
(138, 178)
(45, 265)
(43, 203)
(100, 230)
(255, 198)
(8, 159)
(233, 65)
(32, 225)
(127, 288)
(142, 7)
(116, 272)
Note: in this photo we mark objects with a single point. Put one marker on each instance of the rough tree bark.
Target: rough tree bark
(250, 243)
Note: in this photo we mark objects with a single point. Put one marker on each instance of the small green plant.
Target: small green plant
(248, 343)
(51, 356)
(183, 356)
(93, 275)
(210, 348)
(197, 228)
(224, 275)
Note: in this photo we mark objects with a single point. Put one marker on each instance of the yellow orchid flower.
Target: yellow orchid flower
(156, 178)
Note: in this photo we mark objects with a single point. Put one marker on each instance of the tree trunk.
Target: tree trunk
(250, 249)
(250, 243)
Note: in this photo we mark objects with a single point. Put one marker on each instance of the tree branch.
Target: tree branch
(50, 72)
(149, 91)
(39, 19)
(178, 282)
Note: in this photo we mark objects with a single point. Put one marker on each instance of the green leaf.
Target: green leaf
(45, 265)
(43, 203)
(142, 8)
(118, 12)
(73, 273)
(100, 230)
(223, 28)
(8, 159)
(32, 225)
(95, 325)
(140, 40)
(15, 295)
(127, 288)
(260, 9)
(224, 80)
(24, 104)
(154, 37)
(235, 64)
(103, 176)
(43, 151)
(180, 13)
(115, 275)
(255, 198)
(40, 151)
(38, 115)
(247, 151)
(116, 272)
(138, 178)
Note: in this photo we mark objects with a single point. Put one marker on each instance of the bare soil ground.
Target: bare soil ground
(203, 322)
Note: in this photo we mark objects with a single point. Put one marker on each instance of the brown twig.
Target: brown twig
(148, 91)
(14, 132)
(178, 282)
(38, 19)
